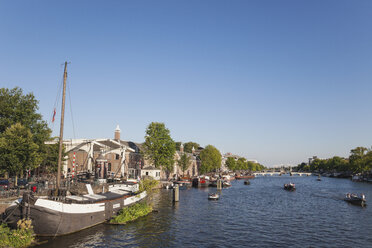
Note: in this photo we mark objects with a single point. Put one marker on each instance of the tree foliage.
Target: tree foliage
(360, 160)
(18, 151)
(50, 160)
(243, 164)
(178, 145)
(159, 147)
(210, 159)
(184, 162)
(19, 120)
(15, 107)
(231, 163)
(189, 145)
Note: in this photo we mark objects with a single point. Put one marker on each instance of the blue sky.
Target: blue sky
(276, 81)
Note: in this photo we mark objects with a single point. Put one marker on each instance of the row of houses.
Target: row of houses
(118, 158)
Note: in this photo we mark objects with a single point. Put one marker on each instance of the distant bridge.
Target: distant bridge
(281, 173)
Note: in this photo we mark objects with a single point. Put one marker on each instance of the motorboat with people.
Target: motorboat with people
(356, 199)
(213, 196)
(290, 186)
(247, 182)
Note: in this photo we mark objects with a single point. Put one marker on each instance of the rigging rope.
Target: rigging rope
(72, 117)
(56, 103)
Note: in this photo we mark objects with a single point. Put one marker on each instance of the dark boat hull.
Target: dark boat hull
(50, 222)
(358, 202)
(244, 177)
(53, 223)
(290, 188)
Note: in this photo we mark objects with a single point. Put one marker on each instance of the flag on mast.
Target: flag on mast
(54, 115)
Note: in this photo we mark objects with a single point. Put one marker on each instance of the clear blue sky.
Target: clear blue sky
(276, 81)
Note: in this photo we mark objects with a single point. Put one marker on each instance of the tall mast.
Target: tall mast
(61, 128)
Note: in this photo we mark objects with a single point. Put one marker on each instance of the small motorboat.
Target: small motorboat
(247, 182)
(226, 184)
(213, 196)
(319, 179)
(355, 199)
(290, 186)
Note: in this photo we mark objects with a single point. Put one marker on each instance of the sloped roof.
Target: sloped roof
(150, 168)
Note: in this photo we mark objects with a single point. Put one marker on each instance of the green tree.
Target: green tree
(18, 151)
(210, 159)
(184, 162)
(159, 147)
(357, 159)
(241, 164)
(300, 167)
(187, 147)
(368, 160)
(337, 164)
(178, 145)
(252, 166)
(50, 160)
(260, 167)
(231, 163)
(15, 107)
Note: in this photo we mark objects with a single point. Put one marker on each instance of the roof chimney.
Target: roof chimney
(117, 133)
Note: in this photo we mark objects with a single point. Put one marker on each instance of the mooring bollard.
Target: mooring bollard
(176, 193)
(219, 184)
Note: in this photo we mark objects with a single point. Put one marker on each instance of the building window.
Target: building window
(109, 166)
(147, 173)
(117, 156)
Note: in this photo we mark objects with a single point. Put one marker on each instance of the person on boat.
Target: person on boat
(363, 197)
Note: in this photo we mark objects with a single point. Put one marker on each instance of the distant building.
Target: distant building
(312, 159)
(193, 169)
(151, 171)
(117, 158)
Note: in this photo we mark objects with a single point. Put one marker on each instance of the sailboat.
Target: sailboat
(60, 214)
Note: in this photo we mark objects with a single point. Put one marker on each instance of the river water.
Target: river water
(262, 214)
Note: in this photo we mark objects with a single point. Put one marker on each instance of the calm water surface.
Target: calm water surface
(259, 215)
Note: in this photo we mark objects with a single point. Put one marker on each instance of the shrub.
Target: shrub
(147, 184)
(23, 236)
(131, 213)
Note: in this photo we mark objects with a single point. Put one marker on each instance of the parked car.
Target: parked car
(4, 184)
(22, 183)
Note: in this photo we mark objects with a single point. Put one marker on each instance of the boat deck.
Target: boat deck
(93, 198)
